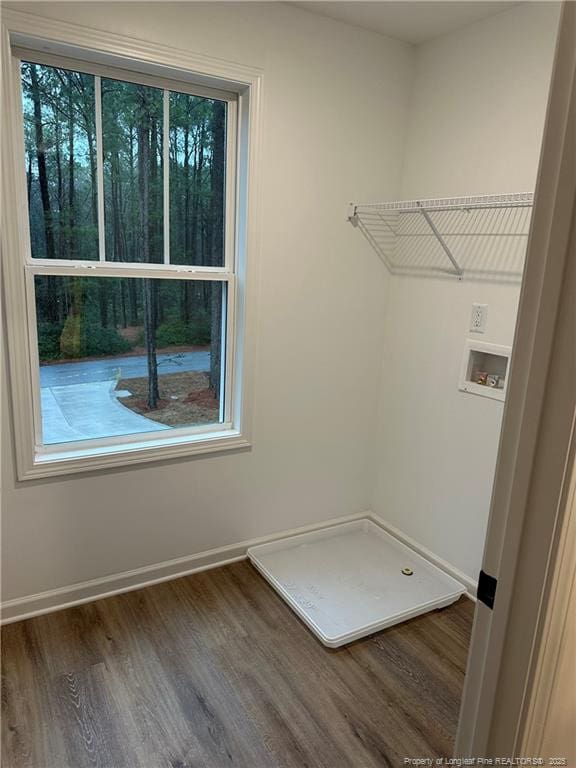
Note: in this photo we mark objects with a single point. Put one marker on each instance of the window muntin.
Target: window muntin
(208, 249)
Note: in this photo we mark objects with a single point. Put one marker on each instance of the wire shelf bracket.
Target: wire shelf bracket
(447, 251)
(483, 237)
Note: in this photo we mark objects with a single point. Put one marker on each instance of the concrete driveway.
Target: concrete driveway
(80, 401)
(89, 411)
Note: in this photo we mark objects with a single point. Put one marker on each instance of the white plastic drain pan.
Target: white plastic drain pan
(346, 581)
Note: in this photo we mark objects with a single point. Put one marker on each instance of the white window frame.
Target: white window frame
(104, 54)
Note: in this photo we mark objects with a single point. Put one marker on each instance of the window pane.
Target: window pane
(132, 138)
(197, 180)
(60, 148)
(122, 356)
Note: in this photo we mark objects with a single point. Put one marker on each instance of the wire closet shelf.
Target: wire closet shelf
(482, 237)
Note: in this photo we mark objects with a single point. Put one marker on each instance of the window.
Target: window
(131, 269)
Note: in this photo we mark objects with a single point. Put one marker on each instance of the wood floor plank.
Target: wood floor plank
(31, 728)
(140, 682)
(215, 670)
(94, 730)
(69, 641)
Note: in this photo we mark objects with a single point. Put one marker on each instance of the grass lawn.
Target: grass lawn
(186, 399)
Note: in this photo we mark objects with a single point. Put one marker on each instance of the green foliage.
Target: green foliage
(105, 341)
(49, 340)
(71, 342)
(178, 333)
(200, 331)
(174, 333)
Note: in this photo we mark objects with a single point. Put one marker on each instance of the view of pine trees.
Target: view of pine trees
(81, 316)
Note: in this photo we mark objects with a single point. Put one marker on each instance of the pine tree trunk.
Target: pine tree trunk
(114, 308)
(103, 301)
(133, 301)
(29, 178)
(123, 303)
(150, 340)
(116, 206)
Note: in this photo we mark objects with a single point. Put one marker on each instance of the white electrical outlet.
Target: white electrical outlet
(478, 318)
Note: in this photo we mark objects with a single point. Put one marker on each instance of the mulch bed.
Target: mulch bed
(185, 399)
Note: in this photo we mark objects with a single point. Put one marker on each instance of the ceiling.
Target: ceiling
(412, 21)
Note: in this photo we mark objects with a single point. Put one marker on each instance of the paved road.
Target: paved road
(109, 368)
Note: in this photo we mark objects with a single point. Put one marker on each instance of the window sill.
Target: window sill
(129, 454)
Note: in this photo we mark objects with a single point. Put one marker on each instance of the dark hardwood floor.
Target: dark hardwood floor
(215, 670)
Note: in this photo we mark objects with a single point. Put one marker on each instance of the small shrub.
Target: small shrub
(105, 341)
(49, 340)
(173, 333)
(71, 338)
(176, 333)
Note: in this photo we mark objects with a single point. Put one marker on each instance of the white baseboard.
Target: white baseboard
(469, 583)
(21, 608)
(52, 600)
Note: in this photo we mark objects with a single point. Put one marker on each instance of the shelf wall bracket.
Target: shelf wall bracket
(352, 215)
(457, 268)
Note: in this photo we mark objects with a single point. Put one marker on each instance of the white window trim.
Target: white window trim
(105, 49)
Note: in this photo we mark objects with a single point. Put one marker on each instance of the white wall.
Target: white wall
(475, 127)
(335, 117)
